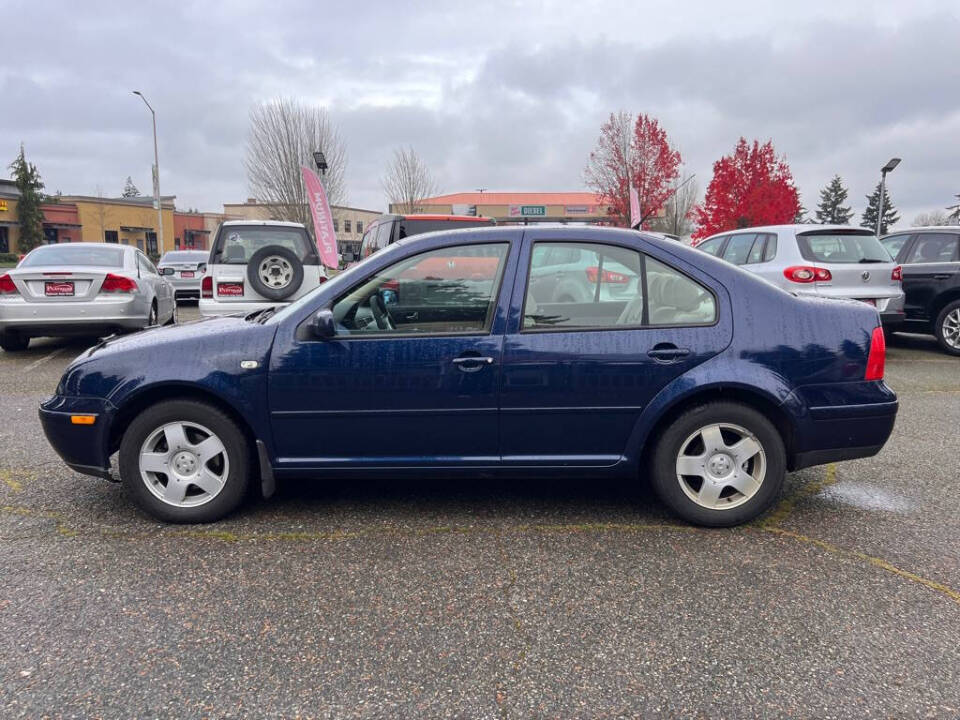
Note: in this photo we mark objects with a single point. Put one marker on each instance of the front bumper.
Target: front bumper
(841, 421)
(85, 448)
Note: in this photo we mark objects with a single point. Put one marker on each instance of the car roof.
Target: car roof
(274, 223)
(795, 227)
(926, 229)
(426, 216)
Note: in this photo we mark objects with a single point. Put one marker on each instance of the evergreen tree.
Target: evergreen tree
(831, 209)
(29, 213)
(890, 216)
(129, 189)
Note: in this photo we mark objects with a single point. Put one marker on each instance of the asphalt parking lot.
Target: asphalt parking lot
(487, 599)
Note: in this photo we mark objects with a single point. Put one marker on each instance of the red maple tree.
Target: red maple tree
(750, 187)
(633, 152)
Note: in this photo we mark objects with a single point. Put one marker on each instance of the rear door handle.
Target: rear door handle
(668, 353)
(943, 276)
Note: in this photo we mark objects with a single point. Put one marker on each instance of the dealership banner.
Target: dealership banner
(635, 216)
(322, 218)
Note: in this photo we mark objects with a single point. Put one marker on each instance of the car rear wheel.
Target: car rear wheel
(184, 461)
(275, 272)
(719, 464)
(13, 341)
(947, 328)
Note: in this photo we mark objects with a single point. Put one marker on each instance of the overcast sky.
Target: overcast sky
(507, 96)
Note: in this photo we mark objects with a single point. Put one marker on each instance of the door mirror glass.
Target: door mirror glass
(323, 325)
(166, 271)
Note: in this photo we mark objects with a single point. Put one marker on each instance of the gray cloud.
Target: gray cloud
(506, 96)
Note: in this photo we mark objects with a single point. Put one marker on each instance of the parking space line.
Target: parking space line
(40, 361)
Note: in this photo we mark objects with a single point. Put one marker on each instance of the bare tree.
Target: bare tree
(408, 181)
(609, 168)
(677, 218)
(929, 219)
(284, 133)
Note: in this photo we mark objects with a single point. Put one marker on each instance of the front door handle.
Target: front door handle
(942, 276)
(667, 353)
(471, 363)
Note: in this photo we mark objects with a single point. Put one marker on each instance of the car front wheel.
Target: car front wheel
(719, 464)
(947, 328)
(185, 461)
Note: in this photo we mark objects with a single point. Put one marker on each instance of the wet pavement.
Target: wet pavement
(487, 599)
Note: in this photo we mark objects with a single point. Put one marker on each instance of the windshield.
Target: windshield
(841, 247)
(236, 244)
(85, 254)
(343, 277)
(184, 256)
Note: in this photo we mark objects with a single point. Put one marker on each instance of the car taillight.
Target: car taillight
(323, 278)
(206, 286)
(807, 274)
(118, 284)
(608, 276)
(897, 273)
(878, 355)
(6, 285)
(230, 289)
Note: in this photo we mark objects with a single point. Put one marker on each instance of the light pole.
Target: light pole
(883, 188)
(156, 173)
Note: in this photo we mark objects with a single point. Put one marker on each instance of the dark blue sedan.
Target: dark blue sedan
(554, 352)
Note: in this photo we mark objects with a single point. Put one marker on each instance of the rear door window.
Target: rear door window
(934, 248)
(840, 248)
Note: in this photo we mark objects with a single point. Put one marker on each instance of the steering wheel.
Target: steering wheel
(380, 314)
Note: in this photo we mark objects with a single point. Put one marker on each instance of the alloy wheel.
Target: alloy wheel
(721, 466)
(184, 464)
(951, 328)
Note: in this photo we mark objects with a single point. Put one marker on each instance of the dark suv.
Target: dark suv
(387, 229)
(930, 258)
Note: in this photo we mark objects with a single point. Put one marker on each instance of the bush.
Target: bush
(9, 258)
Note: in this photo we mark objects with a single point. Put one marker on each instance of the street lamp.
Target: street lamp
(321, 161)
(156, 171)
(893, 162)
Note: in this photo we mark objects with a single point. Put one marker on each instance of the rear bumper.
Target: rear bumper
(215, 308)
(68, 318)
(85, 448)
(830, 430)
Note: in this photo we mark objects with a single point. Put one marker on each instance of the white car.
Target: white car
(259, 264)
(825, 260)
(184, 269)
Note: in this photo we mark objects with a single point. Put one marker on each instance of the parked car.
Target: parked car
(931, 280)
(387, 229)
(391, 370)
(824, 260)
(81, 289)
(254, 265)
(184, 269)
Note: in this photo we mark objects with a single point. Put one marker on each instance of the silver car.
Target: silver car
(184, 269)
(824, 260)
(81, 289)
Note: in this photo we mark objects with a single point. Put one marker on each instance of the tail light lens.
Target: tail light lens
(897, 273)
(323, 278)
(807, 274)
(877, 357)
(206, 286)
(6, 285)
(118, 284)
(608, 276)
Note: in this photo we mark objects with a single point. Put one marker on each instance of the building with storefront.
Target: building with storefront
(348, 222)
(517, 206)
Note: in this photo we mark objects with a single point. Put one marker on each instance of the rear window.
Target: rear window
(376, 238)
(183, 256)
(840, 247)
(85, 254)
(415, 227)
(236, 244)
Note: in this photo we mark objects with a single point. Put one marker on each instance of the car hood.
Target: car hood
(189, 353)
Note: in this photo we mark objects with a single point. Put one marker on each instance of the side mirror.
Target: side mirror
(323, 325)
(166, 271)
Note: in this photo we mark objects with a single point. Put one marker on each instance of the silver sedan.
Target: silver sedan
(184, 269)
(81, 289)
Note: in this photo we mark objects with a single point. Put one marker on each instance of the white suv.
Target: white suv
(256, 264)
(825, 260)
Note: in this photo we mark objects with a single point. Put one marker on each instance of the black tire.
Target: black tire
(235, 444)
(173, 315)
(667, 484)
(283, 254)
(152, 318)
(13, 341)
(938, 327)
